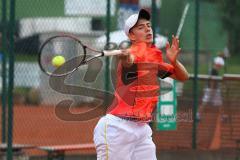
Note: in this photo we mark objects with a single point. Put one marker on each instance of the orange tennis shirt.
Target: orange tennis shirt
(137, 86)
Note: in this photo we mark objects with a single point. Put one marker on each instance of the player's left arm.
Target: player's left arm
(172, 52)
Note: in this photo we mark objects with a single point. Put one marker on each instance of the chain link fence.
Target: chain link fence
(38, 123)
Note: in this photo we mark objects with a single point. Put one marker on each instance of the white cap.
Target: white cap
(132, 20)
(219, 61)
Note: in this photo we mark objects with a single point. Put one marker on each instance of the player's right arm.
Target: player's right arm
(126, 58)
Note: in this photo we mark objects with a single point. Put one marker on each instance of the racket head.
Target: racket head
(67, 46)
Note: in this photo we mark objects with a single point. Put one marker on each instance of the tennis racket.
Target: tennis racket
(70, 52)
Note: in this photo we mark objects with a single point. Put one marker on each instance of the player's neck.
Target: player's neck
(147, 44)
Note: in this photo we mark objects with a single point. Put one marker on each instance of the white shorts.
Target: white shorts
(119, 139)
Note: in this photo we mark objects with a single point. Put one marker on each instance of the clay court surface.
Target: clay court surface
(39, 126)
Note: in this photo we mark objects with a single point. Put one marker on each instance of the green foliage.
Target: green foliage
(39, 8)
(210, 27)
(231, 22)
(169, 16)
(230, 16)
(26, 58)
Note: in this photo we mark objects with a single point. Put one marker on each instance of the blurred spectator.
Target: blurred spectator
(212, 93)
(218, 63)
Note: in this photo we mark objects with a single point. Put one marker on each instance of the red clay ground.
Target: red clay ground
(39, 126)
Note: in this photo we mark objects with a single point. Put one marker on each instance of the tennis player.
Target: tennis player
(124, 133)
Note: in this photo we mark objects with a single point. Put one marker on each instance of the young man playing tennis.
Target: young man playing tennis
(124, 133)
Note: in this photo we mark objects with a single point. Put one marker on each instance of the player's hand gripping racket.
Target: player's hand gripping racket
(63, 49)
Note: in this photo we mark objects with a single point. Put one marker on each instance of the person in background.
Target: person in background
(212, 93)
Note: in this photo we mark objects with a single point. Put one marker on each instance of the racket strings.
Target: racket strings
(70, 49)
(63, 54)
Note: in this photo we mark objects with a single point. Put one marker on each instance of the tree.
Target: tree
(230, 16)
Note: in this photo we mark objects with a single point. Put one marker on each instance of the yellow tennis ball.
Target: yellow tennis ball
(57, 61)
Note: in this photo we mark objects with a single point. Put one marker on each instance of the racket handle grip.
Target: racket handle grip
(112, 53)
